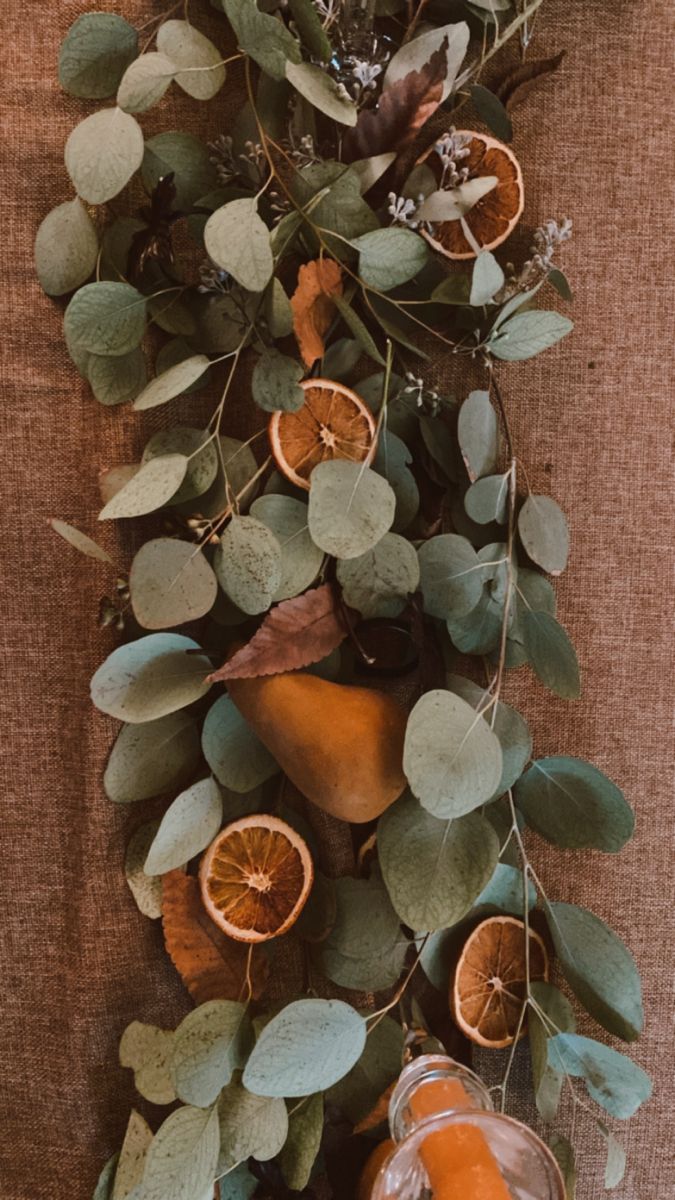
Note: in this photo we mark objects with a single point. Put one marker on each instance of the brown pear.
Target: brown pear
(341, 746)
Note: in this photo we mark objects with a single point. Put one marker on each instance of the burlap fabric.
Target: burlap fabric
(79, 961)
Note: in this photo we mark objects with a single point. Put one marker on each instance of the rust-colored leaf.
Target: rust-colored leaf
(294, 634)
(518, 84)
(378, 1112)
(402, 111)
(211, 965)
(313, 309)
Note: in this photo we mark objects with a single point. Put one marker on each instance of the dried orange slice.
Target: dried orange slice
(488, 988)
(496, 214)
(255, 878)
(333, 423)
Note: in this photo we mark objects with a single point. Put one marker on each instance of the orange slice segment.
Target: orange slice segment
(496, 214)
(489, 984)
(255, 878)
(333, 423)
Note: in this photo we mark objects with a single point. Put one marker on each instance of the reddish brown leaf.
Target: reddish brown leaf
(402, 111)
(518, 84)
(211, 965)
(378, 1112)
(313, 309)
(294, 634)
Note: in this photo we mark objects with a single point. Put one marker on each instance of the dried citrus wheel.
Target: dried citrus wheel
(497, 213)
(255, 878)
(488, 989)
(333, 423)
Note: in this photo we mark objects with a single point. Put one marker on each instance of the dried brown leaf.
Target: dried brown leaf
(378, 1113)
(211, 965)
(402, 111)
(294, 634)
(313, 309)
(518, 84)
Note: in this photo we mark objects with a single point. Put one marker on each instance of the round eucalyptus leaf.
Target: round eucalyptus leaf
(543, 530)
(306, 1048)
(105, 318)
(300, 558)
(546, 1080)
(305, 1131)
(250, 1127)
(209, 1044)
(80, 541)
(198, 447)
(390, 257)
(150, 487)
(94, 55)
(145, 889)
(144, 82)
(116, 245)
(514, 736)
(364, 955)
(434, 870)
(478, 434)
(183, 1155)
(200, 69)
(551, 654)
(102, 153)
(451, 757)
(377, 1068)
(274, 383)
(184, 156)
(321, 91)
(238, 241)
(451, 576)
(152, 758)
(151, 677)
(66, 248)
(486, 499)
(478, 631)
(147, 1051)
(350, 508)
(173, 382)
(189, 824)
(233, 751)
(117, 380)
(248, 564)
(612, 1079)
(504, 891)
(174, 352)
(237, 466)
(392, 462)
(379, 582)
(572, 804)
(173, 313)
(170, 583)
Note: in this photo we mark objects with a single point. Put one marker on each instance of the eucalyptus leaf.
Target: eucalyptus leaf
(563, 1152)
(310, 27)
(209, 1044)
(379, 582)
(551, 654)
(102, 153)
(489, 107)
(434, 869)
(247, 563)
(559, 1018)
(171, 354)
(350, 508)
(543, 530)
(504, 891)
(560, 282)
(189, 824)
(152, 486)
(145, 81)
(357, 328)
(612, 1079)
(132, 1158)
(173, 382)
(278, 311)
(414, 55)
(390, 257)
(392, 461)
(451, 576)
(145, 889)
(152, 758)
(147, 1051)
(363, 955)
(275, 380)
(478, 434)
(233, 751)
(451, 204)
(201, 72)
(150, 678)
(527, 334)
(105, 318)
(117, 380)
(182, 1160)
(322, 92)
(238, 241)
(95, 53)
(237, 1184)
(251, 1126)
(79, 541)
(66, 248)
(300, 558)
(333, 191)
(487, 278)
(451, 757)
(264, 38)
(305, 1130)
(369, 170)
(600, 970)
(199, 448)
(478, 631)
(615, 1168)
(184, 156)
(377, 1068)
(237, 466)
(306, 1048)
(170, 582)
(514, 736)
(106, 1180)
(572, 804)
(487, 499)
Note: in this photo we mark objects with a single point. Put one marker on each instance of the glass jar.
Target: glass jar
(451, 1145)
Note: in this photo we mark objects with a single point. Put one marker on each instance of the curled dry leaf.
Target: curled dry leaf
(313, 309)
(402, 111)
(517, 85)
(294, 634)
(211, 965)
(378, 1113)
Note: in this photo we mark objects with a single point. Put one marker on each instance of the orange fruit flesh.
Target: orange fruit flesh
(333, 423)
(458, 1160)
(255, 880)
(495, 215)
(490, 983)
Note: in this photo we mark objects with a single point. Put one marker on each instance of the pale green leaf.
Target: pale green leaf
(305, 1130)
(528, 334)
(132, 1158)
(333, 193)
(95, 53)
(233, 751)
(145, 889)
(363, 955)
(514, 736)
(151, 677)
(275, 380)
(309, 24)
(451, 204)
(357, 328)
(452, 759)
(478, 434)
(66, 248)
(170, 582)
(238, 241)
(118, 379)
(488, 106)
(80, 541)
(486, 279)
(248, 564)
(379, 582)
(102, 153)
(350, 508)
(306, 1048)
(390, 257)
(451, 576)
(237, 1184)
(171, 354)
(612, 1079)
(173, 382)
(543, 530)
(572, 804)
(551, 654)
(152, 486)
(434, 870)
(182, 1160)
(278, 311)
(414, 55)
(263, 37)
(203, 461)
(559, 1014)
(615, 1168)
(251, 1126)
(105, 318)
(106, 1180)
(378, 1067)
(201, 72)
(147, 1051)
(504, 890)
(391, 461)
(478, 631)
(236, 464)
(486, 500)
(209, 1044)
(144, 82)
(189, 824)
(321, 91)
(182, 154)
(300, 558)
(152, 758)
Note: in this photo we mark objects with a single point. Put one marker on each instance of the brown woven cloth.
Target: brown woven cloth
(592, 415)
